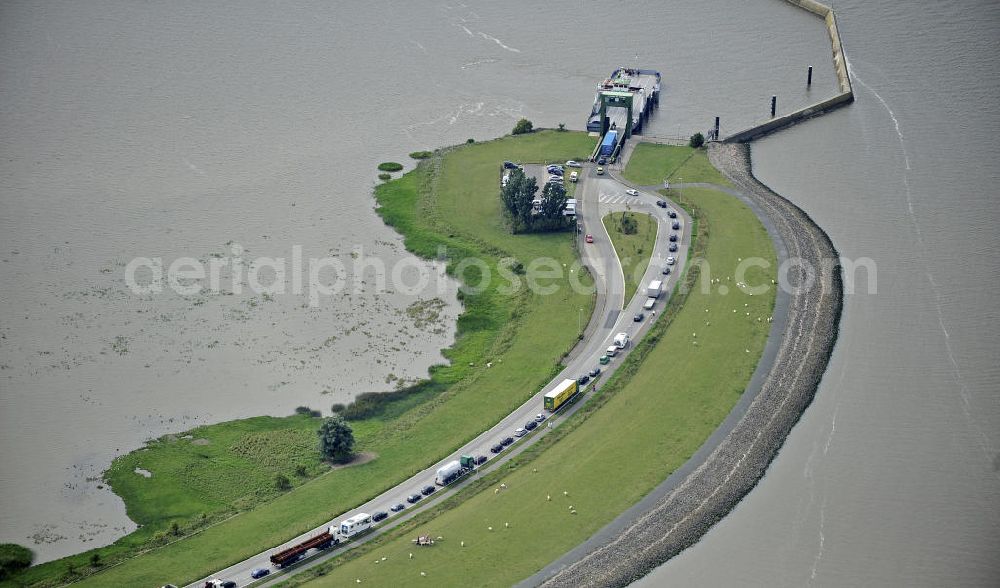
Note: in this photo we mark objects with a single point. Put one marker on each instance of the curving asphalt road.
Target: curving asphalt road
(596, 196)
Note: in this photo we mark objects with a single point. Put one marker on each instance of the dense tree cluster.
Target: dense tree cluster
(524, 213)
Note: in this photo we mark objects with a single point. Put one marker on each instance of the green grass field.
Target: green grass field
(673, 391)
(633, 250)
(220, 465)
(651, 163)
(449, 201)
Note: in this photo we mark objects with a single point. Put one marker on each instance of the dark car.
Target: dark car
(379, 516)
(480, 459)
(673, 237)
(582, 380)
(638, 317)
(675, 226)
(673, 247)
(558, 171)
(397, 507)
(595, 372)
(661, 203)
(510, 165)
(414, 498)
(496, 448)
(602, 160)
(259, 573)
(428, 490)
(666, 270)
(672, 214)
(228, 584)
(507, 441)
(530, 425)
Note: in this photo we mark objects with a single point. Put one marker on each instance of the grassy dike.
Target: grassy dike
(675, 388)
(447, 208)
(633, 250)
(651, 163)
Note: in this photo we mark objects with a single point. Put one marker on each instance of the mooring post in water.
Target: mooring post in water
(774, 105)
(716, 134)
(809, 78)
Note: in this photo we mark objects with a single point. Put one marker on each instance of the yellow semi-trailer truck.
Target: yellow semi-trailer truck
(558, 396)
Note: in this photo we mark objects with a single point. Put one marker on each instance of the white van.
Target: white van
(574, 177)
(648, 304)
(612, 351)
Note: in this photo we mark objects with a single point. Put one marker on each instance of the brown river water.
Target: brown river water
(182, 129)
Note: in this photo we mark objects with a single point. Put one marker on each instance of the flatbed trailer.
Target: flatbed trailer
(293, 554)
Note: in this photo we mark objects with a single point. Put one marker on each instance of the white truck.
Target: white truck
(653, 290)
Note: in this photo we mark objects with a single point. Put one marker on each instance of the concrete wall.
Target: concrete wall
(790, 119)
(846, 95)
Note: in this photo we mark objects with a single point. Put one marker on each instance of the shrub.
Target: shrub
(697, 140)
(300, 470)
(470, 141)
(562, 127)
(14, 559)
(281, 482)
(385, 177)
(421, 154)
(522, 126)
(337, 407)
(305, 410)
(390, 166)
(95, 560)
(628, 224)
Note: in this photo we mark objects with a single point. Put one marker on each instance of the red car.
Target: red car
(590, 239)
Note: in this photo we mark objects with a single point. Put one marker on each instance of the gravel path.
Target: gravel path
(685, 510)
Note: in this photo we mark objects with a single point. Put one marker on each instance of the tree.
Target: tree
(95, 560)
(553, 203)
(523, 126)
(562, 126)
(336, 439)
(697, 140)
(14, 559)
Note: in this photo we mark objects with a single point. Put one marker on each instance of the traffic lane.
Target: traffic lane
(593, 218)
(660, 252)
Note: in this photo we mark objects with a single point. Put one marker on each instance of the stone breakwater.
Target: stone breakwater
(682, 515)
